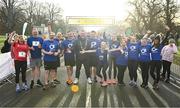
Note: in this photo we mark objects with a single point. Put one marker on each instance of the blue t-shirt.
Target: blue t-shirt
(34, 42)
(133, 51)
(144, 53)
(52, 46)
(113, 45)
(93, 44)
(102, 56)
(67, 46)
(122, 58)
(156, 52)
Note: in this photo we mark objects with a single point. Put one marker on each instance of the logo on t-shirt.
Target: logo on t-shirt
(126, 54)
(70, 45)
(143, 51)
(35, 43)
(52, 47)
(93, 44)
(154, 50)
(21, 54)
(133, 48)
(101, 57)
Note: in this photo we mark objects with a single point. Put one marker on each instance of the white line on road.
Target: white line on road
(108, 100)
(175, 93)
(101, 98)
(134, 101)
(75, 99)
(63, 100)
(88, 96)
(115, 100)
(157, 95)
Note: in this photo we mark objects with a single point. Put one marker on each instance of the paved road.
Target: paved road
(92, 95)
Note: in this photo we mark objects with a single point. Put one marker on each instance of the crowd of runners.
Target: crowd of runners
(105, 59)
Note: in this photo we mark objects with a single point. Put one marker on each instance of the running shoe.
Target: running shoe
(121, 84)
(69, 82)
(57, 81)
(45, 87)
(76, 81)
(32, 84)
(25, 87)
(109, 81)
(104, 84)
(39, 83)
(52, 84)
(18, 89)
(131, 83)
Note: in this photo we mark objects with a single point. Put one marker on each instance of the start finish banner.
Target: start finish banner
(72, 20)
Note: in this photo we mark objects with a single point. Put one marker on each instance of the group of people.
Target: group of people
(104, 59)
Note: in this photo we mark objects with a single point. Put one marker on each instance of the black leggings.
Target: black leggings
(132, 67)
(79, 64)
(20, 67)
(145, 72)
(166, 68)
(121, 70)
(102, 67)
(112, 64)
(155, 68)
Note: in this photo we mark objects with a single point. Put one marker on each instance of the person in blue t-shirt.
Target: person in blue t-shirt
(133, 48)
(35, 44)
(144, 61)
(156, 61)
(59, 38)
(113, 44)
(122, 61)
(51, 51)
(102, 64)
(69, 57)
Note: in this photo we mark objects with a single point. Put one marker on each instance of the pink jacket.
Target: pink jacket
(168, 52)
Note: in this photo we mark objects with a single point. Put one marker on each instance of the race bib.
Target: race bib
(35, 43)
(22, 54)
(101, 57)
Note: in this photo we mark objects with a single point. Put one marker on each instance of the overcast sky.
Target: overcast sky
(117, 8)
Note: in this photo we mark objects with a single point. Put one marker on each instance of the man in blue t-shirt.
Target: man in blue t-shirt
(69, 58)
(35, 44)
(51, 52)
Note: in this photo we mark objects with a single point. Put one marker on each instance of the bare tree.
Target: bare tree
(11, 13)
(170, 11)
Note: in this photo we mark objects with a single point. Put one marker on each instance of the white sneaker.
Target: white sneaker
(18, 89)
(131, 83)
(135, 84)
(25, 87)
(76, 81)
(89, 80)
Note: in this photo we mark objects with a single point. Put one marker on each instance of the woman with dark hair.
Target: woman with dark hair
(156, 61)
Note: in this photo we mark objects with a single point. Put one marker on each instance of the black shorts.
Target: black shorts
(50, 65)
(92, 59)
(69, 61)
